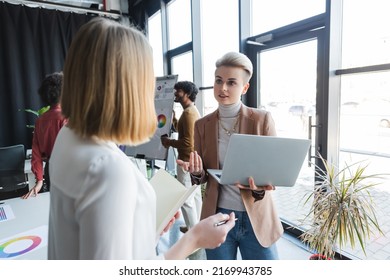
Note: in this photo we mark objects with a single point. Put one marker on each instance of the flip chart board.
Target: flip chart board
(163, 102)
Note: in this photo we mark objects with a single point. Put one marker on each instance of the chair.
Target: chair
(13, 179)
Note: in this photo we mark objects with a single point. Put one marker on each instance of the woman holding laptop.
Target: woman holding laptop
(258, 226)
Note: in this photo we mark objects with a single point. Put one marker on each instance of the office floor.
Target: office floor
(290, 249)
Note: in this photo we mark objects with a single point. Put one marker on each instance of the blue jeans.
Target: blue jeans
(242, 237)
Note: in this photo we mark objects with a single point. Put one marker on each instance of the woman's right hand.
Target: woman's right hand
(208, 234)
(194, 165)
(34, 191)
(204, 234)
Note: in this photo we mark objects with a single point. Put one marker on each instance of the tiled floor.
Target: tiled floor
(289, 248)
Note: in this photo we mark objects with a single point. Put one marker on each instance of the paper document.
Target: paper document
(6, 213)
(170, 196)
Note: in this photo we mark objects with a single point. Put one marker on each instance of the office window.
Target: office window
(179, 22)
(271, 14)
(288, 92)
(210, 104)
(366, 33)
(365, 112)
(220, 35)
(365, 106)
(365, 138)
(182, 66)
(155, 39)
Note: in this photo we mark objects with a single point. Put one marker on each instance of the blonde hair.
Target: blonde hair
(236, 59)
(108, 87)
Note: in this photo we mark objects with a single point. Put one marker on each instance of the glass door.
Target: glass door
(288, 89)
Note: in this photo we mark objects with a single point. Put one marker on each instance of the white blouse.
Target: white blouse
(101, 206)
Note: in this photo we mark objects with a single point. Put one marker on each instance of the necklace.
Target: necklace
(233, 130)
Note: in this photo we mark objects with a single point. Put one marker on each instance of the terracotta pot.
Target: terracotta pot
(319, 257)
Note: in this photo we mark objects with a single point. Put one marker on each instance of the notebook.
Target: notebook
(270, 160)
(170, 196)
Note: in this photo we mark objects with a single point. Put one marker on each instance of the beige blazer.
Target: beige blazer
(262, 213)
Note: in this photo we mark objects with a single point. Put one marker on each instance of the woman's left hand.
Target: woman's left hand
(252, 186)
(171, 222)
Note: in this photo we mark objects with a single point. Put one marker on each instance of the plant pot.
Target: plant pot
(318, 257)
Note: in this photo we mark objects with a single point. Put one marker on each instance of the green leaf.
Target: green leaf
(32, 111)
(36, 113)
(43, 110)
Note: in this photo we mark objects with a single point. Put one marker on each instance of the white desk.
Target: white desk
(30, 175)
(28, 228)
(27, 169)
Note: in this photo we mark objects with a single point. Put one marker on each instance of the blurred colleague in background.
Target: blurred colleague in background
(185, 94)
(46, 129)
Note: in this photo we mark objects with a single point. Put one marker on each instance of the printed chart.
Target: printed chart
(23, 243)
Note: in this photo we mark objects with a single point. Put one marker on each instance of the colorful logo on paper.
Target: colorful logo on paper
(8, 253)
(161, 120)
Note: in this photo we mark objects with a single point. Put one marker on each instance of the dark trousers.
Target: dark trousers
(46, 179)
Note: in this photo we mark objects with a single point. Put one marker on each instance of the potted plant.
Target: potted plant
(342, 210)
(36, 113)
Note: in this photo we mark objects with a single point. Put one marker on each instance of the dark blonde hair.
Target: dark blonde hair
(236, 59)
(108, 87)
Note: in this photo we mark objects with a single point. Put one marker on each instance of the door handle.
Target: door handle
(310, 136)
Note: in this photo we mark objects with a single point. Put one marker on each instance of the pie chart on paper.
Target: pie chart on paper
(161, 121)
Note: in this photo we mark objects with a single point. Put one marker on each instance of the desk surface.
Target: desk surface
(23, 227)
(30, 175)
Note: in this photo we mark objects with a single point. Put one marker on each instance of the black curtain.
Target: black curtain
(140, 10)
(33, 43)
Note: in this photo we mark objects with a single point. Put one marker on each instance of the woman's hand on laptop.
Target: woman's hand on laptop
(252, 186)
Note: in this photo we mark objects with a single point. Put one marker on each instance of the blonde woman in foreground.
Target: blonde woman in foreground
(101, 206)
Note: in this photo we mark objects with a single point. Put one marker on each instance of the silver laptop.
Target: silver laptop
(270, 160)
